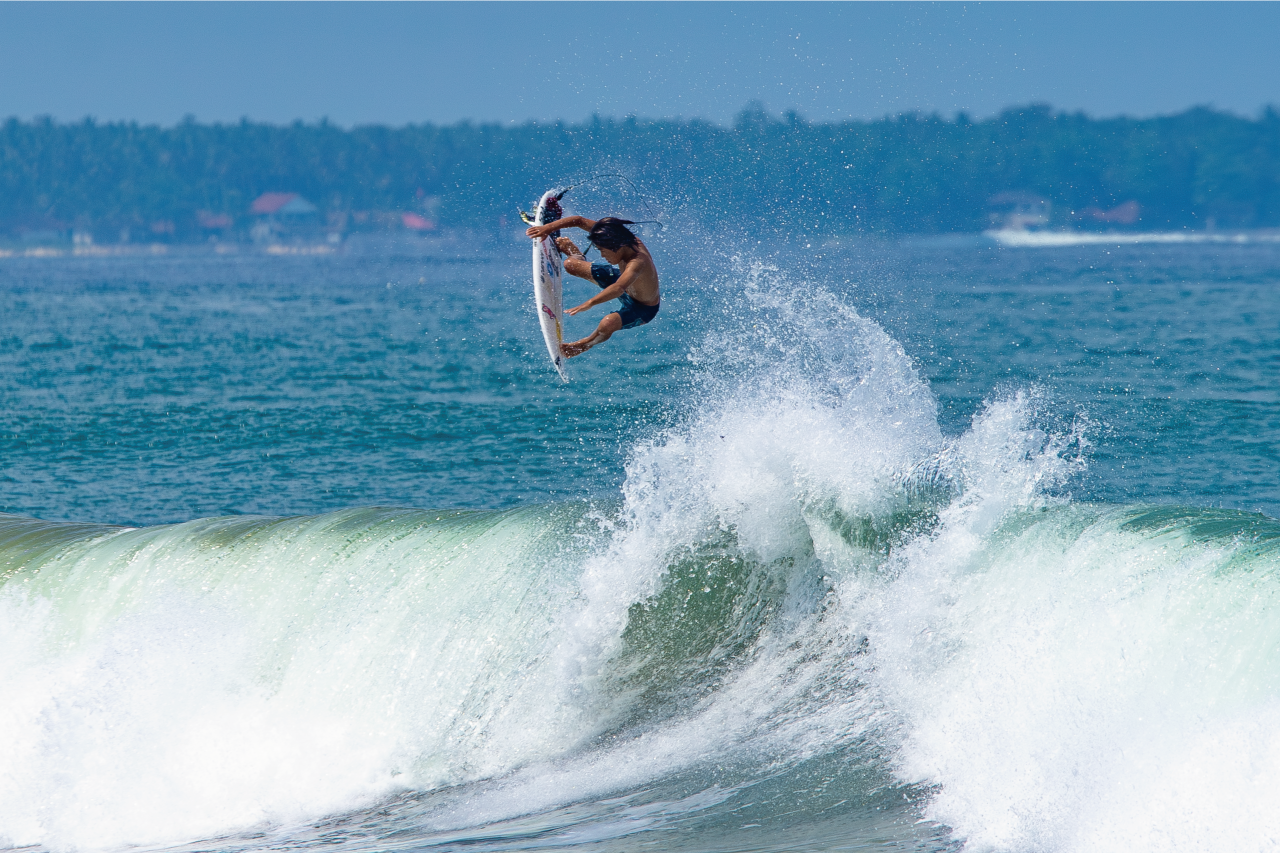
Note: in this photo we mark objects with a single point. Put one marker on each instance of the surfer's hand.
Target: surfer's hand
(537, 232)
(572, 311)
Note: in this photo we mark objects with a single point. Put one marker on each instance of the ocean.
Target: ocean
(863, 544)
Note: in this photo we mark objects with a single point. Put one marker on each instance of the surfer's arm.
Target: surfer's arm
(540, 231)
(613, 291)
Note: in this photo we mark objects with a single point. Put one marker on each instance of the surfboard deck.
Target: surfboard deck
(548, 280)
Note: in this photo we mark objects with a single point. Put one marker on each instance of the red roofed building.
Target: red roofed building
(414, 222)
(285, 204)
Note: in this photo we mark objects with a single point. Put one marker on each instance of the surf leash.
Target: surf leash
(529, 219)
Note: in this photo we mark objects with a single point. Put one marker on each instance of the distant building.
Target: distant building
(414, 222)
(281, 215)
(1123, 214)
(281, 204)
(213, 221)
(1018, 211)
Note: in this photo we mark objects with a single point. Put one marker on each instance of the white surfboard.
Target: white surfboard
(548, 276)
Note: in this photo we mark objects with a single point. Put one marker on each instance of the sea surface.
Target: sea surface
(861, 545)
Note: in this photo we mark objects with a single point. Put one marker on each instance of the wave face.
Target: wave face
(810, 608)
(176, 681)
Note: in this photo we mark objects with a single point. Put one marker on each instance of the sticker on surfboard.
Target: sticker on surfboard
(548, 278)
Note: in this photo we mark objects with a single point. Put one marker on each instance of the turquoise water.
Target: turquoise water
(860, 546)
(164, 389)
(287, 386)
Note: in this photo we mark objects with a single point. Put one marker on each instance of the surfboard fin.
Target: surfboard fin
(527, 219)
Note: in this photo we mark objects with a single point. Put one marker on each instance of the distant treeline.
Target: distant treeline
(908, 173)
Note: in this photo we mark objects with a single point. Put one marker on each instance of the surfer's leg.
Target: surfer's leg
(610, 324)
(633, 314)
(574, 262)
(605, 273)
(578, 266)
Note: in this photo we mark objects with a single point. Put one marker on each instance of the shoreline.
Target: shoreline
(456, 242)
(1015, 238)
(461, 242)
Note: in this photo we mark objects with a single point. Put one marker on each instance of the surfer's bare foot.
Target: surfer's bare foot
(610, 324)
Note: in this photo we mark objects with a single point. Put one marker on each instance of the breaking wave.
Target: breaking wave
(809, 604)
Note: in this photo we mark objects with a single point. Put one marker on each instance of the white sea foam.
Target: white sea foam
(156, 729)
(1075, 685)
(804, 404)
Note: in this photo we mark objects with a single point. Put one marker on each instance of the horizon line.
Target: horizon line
(750, 109)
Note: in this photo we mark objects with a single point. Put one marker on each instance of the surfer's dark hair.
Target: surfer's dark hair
(612, 233)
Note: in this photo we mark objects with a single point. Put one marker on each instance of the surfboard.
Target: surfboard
(548, 277)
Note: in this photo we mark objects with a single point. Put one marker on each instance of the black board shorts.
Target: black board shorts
(632, 313)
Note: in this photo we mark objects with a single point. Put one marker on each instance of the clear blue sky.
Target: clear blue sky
(396, 63)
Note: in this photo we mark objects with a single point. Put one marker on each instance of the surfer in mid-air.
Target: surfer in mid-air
(627, 274)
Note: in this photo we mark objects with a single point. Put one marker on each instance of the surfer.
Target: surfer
(627, 274)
